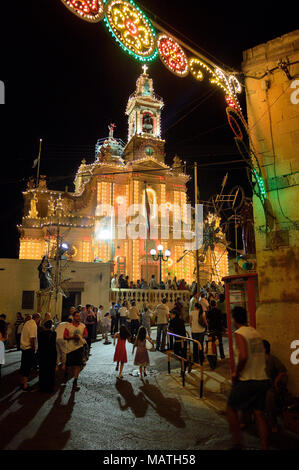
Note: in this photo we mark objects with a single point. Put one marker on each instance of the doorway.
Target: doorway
(73, 300)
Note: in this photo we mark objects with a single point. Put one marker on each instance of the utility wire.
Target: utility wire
(185, 37)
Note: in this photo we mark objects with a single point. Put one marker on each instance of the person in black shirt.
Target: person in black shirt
(215, 322)
(177, 326)
(47, 357)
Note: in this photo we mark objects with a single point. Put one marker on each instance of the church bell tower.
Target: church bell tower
(144, 118)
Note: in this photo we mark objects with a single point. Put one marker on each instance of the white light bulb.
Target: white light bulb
(160, 247)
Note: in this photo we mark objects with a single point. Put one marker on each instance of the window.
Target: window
(28, 299)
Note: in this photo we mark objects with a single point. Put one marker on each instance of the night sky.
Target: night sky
(67, 79)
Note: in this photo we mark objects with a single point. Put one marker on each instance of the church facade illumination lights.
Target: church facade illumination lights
(121, 175)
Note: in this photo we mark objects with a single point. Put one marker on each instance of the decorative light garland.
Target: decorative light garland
(92, 11)
(172, 55)
(131, 29)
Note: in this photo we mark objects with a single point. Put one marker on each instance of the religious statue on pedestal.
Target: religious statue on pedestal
(45, 270)
(33, 214)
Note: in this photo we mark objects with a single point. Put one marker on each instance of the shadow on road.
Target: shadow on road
(53, 425)
(168, 408)
(136, 403)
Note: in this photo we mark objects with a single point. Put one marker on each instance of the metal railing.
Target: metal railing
(186, 362)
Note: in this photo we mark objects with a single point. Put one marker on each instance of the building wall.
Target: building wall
(17, 276)
(274, 128)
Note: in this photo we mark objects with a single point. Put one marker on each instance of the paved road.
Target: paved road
(112, 414)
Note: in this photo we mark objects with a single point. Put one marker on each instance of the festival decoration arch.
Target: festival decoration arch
(135, 33)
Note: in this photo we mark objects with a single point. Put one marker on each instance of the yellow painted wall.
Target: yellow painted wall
(274, 128)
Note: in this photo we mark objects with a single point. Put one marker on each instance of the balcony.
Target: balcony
(150, 297)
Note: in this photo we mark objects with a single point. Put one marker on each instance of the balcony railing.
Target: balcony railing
(149, 297)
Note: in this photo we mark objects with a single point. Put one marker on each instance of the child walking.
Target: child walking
(211, 350)
(106, 327)
(120, 355)
(141, 357)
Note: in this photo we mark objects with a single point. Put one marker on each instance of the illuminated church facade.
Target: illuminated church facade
(121, 175)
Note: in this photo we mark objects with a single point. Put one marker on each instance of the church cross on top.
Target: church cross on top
(145, 69)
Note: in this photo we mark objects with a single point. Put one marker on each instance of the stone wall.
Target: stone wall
(270, 72)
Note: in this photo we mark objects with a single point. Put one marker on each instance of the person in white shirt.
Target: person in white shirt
(75, 334)
(100, 317)
(123, 314)
(204, 303)
(198, 325)
(250, 381)
(162, 314)
(29, 348)
(3, 337)
(193, 301)
(114, 282)
(61, 344)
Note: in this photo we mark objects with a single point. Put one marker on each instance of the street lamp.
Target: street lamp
(160, 257)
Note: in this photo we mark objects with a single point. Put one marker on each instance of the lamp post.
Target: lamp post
(160, 257)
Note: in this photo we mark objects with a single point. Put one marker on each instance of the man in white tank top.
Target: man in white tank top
(250, 381)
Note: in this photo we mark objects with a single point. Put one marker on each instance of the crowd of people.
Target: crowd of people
(123, 282)
(49, 347)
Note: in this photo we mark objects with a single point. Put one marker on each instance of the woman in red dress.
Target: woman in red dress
(120, 355)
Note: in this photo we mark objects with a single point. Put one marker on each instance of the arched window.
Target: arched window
(147, 123)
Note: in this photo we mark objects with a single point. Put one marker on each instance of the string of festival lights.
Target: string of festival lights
(134, 32)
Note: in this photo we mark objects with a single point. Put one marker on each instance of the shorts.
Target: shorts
(75, 358)
(248, 394)
(27, 361)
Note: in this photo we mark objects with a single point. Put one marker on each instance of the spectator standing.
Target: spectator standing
(215, 325)
(100, 317)
(3, 336)
(113, 319)
(146, 320)
(123, 313)
(204, 303)
(120, 354)
(89, 322)
(106, 327)
(126, 282)
(95, 326)
(61, 344)
(174, 285)
(47, 357)
(250, 382)
(161, 313)
(275, 397)
(193, 301)
(153, 284)
(222, 307)
(177, 326)
(82, 312)
(3, 318)
(29, 348)
(198, 324)
(18, 329)
(211, 350)
(134, 320)
(114, 282)
(75, 334)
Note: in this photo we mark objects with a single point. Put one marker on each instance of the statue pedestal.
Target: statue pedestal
(44, 303)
